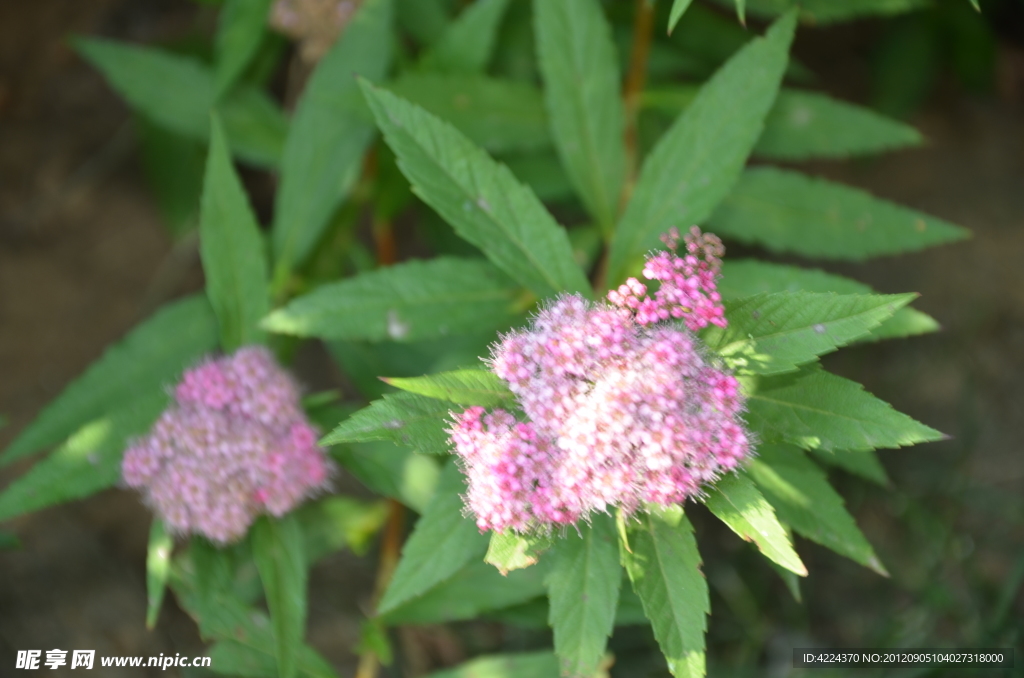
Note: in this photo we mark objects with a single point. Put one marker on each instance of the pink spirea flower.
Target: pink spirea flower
(234, 444)
(688, 284)
(619, 410)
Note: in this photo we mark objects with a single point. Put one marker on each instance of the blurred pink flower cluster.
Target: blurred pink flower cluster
(234, 444)
(619, 410)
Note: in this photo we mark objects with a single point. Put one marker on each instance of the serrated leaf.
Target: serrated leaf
(149, 358)
(498, 115)
(772, 333)
(678, 7)
(802, 497)
(89, 461)
(392, 471)
(467, 43)
(789, 212)
(179, 93)
(581, 89)
(473, 590)
(815, 409)
(805, 125)
(240, 30)
(328, 136)
(508, 551)
(402, 418)
(234, 260)
(278, 548)
(830, 11)
(158, 567)
(478, 197)
(524, 665)
(443, 542)
(465, 387)
(863, 463)
(583, 588)
(405, 302)
(664, 567)
(747, 277)
(737, 502)
(697, 161)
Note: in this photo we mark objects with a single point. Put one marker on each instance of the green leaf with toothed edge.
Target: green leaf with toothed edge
(443, 541)
(480, 198)
(738, 504)
(405, 302)
(817, 410)
(180, 92)
(747, 277)
(158, 567)
(787, 211)
(664, 567)
(772, 333)
(577, 59)
(583, 589)
(465, 387)
(231, 247)
(148, 359)
(328, 137)
(468, 42)
(278, 548)
(697, 161)
(678, 7)
(802, 498)
(402, 418)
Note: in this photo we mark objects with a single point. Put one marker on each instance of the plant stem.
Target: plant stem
(390, 548)
(643, 26)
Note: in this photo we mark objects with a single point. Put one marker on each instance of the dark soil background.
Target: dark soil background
(84, 256)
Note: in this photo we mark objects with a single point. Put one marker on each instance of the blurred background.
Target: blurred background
(87, 249)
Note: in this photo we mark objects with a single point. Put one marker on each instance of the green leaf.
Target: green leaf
(147, 359)
(402, 418)
(741, 11)
(473, 590)
(158, 565)
(467, 43)
(789, 212)
(465, 387)
(737, 503)
(806, 125)
(697, 161)
(180, 92)
(863, 463)
(392, 471)
(240, 30)
(544, 174)
(443, 542)
(524, 665)
(975, 5)
(815, 409)
(331, 524)
(328, 137)
(498, 115)
(830, 11)
(88, 462)
(173, 165)
(231, 246)
(803, 498)
(509, 551)
(664, 567)
(406, 302)
(239, 659)
(278, 549)
(772, 333)
(581, 89)
(478, 197)
(425, 20)
(583, 588)
(678, 7)
(747, 277)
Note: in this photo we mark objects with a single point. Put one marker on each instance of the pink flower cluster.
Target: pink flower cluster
(688, 288)
(233, 445)
(618, 412)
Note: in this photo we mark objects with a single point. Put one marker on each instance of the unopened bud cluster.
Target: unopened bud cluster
(234, 444)
(620, 408)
